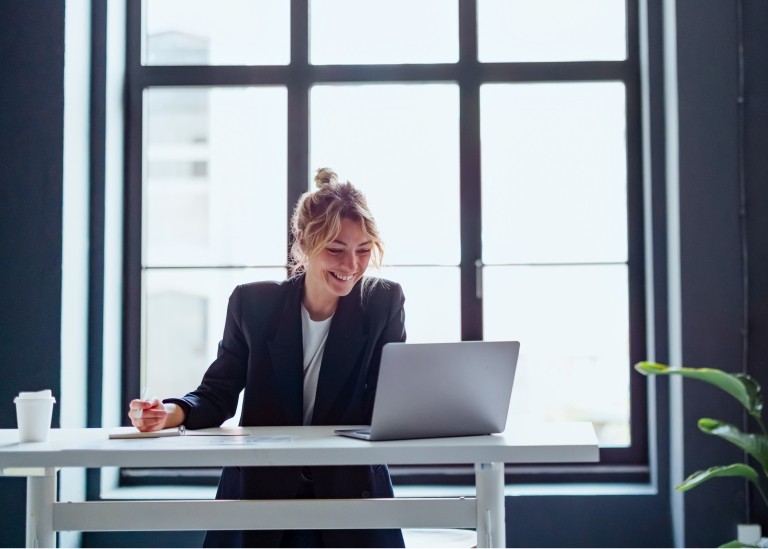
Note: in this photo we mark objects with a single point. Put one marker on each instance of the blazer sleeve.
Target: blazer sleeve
(393, 331)
(215, 400)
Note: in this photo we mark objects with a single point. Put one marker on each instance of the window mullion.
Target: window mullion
(469, 122)
(132, 303)
(471, 238)
(298, 107)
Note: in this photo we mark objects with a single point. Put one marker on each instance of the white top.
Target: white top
(314, 333)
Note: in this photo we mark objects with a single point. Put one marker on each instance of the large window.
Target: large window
(497, 142)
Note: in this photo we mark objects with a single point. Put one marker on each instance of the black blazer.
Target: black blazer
(262, 352)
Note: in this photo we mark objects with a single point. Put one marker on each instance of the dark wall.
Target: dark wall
(756, 168)
(722, 162)
(31, 141)
(711, 259)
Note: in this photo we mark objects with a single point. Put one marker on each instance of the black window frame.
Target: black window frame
(629, 464)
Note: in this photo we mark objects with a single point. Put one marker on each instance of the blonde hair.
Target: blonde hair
(317, 219)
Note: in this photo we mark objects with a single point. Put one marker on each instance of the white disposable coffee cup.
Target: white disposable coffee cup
(34, 411)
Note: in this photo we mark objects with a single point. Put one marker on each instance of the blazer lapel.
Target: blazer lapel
(286, 349)
(346, 339)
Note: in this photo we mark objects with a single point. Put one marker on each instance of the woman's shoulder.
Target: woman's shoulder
(377, 290)
(376, 283)
(265, 289)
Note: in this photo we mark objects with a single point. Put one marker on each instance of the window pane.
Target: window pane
(432, 302)
(216, 32)
(354, 32)
(554, 172)
(399, 144)
(184, 313)
(572, 324)
(215, 177)
(551, 30)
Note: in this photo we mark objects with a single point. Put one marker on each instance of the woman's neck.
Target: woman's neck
(320, 305)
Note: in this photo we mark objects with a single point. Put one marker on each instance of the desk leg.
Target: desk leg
(491, 526)
(41, 494)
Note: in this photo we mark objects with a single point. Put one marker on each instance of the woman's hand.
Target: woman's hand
(153, 415)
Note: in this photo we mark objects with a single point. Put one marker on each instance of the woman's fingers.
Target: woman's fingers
(147, 415)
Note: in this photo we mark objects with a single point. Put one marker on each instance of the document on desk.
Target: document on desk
(131, 432)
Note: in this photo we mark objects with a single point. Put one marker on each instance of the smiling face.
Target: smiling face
(334, 270)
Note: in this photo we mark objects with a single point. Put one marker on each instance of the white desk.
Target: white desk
(269, 446)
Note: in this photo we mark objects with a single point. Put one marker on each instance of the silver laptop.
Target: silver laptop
(428, 390)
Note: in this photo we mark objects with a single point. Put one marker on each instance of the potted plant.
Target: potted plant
(747, 391)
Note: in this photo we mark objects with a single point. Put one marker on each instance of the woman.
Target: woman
(306, 351)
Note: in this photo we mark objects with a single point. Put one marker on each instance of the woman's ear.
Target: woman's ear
(300, 238)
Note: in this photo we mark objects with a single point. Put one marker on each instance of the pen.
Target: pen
(144, 396)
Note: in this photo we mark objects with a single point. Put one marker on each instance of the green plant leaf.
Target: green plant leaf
(737, 543)
(755, 445)
(733, 470)
(742, 387)
(753, 389)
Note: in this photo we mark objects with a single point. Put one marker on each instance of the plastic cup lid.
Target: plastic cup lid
(35, 395)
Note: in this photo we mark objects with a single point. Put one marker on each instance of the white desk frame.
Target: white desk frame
(269, 446)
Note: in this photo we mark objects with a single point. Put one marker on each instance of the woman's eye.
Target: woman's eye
(363, 252)
(334, 251)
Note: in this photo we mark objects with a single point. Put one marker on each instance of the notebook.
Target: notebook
(428, 390)
(131, 432)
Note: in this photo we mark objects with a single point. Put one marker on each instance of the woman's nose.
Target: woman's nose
(350, 262)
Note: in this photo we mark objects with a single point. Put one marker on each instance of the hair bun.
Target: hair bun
(325, 177)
